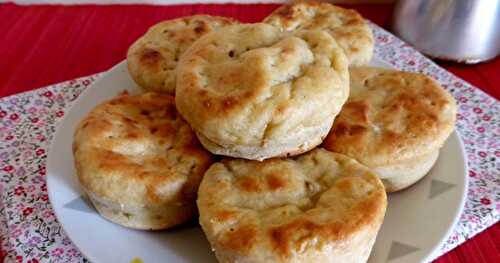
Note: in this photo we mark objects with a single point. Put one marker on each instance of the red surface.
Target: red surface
(41, 45)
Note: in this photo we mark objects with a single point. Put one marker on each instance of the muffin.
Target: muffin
(152, 59)
(394, 122)
(253, 92)
(139, 161)
(346, 26)
(317, 207)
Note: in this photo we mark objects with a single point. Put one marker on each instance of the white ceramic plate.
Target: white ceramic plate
(418, 219)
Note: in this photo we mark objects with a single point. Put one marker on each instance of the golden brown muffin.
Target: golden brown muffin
(317, 207)
(253, 92)
(346, 26)
(394, 122)
(139, 161)
(152, 59)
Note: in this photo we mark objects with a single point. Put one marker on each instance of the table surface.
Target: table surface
(42, 45)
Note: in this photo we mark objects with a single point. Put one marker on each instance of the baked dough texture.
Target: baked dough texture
(253, 92)
(317, 207)
(394, 122)
(139, 161)
(346, 26)
(152, 59)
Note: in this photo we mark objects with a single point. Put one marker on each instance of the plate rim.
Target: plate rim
(51, 156)
(456, 217)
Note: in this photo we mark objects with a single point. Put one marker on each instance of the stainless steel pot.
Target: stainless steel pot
(460, 30)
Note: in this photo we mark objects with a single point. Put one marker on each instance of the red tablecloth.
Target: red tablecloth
(41, 45)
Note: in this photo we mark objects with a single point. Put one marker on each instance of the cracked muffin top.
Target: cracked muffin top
(391, 116)
(152, 59)
(290, 210)
(253, 85)
(346, 26)
(137, 150)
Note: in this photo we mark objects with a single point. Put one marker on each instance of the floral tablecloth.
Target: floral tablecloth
(29, 231)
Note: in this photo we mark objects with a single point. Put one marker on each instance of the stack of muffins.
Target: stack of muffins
(274, 132)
